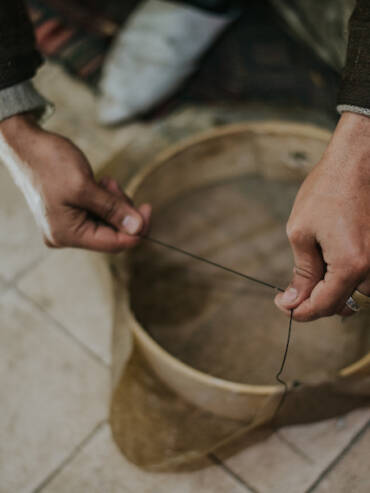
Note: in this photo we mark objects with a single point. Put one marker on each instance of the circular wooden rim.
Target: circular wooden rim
(259, 128)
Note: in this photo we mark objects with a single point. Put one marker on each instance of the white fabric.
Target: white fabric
(154, 52)
(24, 179)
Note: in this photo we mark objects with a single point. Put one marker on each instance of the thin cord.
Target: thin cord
(282, 367)
(210, 262)
(249, 278)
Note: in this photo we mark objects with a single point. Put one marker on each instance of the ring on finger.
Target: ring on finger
(358, 301)
(352, 305)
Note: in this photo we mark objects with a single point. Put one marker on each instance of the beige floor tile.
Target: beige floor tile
(2, 285)
(271, 466)
(100, 467)
(52, 395)
(352, 473)
(324, 441)
(20, 241)
(291, 460)
(74, 287)
(75, 116)
(69, 124)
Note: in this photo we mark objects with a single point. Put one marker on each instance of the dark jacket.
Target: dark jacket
(19, 58)
(355, 87)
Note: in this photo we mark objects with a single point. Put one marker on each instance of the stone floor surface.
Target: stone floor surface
(55, 357)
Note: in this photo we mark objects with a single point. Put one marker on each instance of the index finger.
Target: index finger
(327, 297)
(103, 238)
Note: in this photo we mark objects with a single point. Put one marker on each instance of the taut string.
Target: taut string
(248, 278)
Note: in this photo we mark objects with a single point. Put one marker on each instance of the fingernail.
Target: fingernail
(131, 225)
(289, 296)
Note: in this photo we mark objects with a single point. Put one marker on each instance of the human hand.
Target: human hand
(329, 227)
(57, 181)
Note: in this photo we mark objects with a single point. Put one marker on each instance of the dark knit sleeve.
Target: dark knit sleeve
(355, 87)
(19, 57)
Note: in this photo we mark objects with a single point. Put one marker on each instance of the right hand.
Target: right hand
(329, 227)
(79, 212)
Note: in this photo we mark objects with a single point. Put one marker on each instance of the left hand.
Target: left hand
(329, 227)
(56, 178)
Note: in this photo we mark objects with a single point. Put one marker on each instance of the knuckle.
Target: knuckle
(79, 185)
(353, 267)
(289, 228)
(354, 261)
(110, 209)
(305, 272)
(295, 233)
(359, 265)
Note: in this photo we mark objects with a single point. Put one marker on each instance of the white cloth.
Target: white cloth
(155, 51)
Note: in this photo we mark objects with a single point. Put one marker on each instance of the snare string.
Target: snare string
(283, 362)
(249, 278)
(210, 262)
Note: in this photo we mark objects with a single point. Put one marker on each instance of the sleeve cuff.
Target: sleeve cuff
(22, 98)
(341, 108)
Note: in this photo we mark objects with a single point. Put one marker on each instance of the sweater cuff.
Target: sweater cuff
(23, 98)
(341, 108)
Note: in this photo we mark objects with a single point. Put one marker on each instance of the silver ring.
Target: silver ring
(352, 304)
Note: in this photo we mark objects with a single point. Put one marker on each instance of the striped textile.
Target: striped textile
(77, 33)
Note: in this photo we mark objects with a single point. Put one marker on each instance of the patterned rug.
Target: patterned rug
(255, 60)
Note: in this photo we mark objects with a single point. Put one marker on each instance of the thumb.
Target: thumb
(308, 271)
(112, 208)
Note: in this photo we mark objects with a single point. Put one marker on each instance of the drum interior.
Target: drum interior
(221, 324)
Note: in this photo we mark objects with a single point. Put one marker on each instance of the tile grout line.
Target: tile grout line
(339, 457)
(5, 288)
(69, 457)
(12, 283)
(65, 331)
(26, 270)
(294, 447)
(231, 473)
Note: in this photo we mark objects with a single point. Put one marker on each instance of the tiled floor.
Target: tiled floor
(20, 246)
(291, 460)
(89, 320)
(54, 368)
(2, 285)
(352, 472)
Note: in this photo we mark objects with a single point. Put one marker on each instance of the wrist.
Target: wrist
(352, 127)
(18, 123)
(350, 143)
(352, 119)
